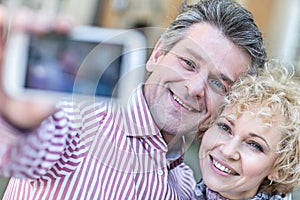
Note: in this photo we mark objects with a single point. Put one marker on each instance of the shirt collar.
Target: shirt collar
(138, 119)
(139, 123)
(203, 192)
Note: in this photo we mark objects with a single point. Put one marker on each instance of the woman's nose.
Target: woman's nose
(230, 149)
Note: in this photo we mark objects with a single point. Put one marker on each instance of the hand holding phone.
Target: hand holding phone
(89, 61)
(22, 113)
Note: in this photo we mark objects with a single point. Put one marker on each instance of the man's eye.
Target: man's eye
(218, 86)
(188, 64)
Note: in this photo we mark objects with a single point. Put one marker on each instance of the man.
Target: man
(100, 150)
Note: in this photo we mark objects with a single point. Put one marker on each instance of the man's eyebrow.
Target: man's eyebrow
(195, 54)
(226, 79)
(199, 57)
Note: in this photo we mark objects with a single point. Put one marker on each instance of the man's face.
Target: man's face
(187, 84)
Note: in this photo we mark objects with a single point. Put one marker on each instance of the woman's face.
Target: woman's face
(237, 155)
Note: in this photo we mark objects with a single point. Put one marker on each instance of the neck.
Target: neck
(175, 146)
(173, 141)
(170, 139)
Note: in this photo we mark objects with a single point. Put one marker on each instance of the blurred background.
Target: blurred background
(279, 21)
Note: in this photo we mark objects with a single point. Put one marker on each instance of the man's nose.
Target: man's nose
(197, 85)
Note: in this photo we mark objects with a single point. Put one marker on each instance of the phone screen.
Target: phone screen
(59, 64)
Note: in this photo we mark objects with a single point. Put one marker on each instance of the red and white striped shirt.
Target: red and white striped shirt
(89, 150)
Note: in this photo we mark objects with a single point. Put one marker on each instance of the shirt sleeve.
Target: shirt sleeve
(54, 145)
(181, 178)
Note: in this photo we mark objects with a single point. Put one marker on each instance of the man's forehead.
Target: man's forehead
(189, 47)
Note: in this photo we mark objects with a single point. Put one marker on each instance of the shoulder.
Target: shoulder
(199, 191)
(278, 196)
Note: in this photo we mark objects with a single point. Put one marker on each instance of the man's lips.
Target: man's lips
(183, 104)
(222, 167)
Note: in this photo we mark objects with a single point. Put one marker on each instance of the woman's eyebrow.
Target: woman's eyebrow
(227, 119)
(258, 136)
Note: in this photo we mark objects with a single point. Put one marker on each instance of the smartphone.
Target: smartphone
(89, 61)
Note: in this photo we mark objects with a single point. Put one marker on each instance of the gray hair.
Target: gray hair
(231, 18)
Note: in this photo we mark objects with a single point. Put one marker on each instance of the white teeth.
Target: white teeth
(181, 103)
(222, 167)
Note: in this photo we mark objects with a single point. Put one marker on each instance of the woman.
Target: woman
(252, 149)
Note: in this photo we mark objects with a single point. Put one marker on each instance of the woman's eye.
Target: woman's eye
(256, 146)
(218, 86)
(224, 127)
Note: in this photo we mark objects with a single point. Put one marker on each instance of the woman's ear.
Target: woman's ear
(154, 57)
(271, 176)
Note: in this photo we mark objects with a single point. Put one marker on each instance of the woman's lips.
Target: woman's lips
(223, 167)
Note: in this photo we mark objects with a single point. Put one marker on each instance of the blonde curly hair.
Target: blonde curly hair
(275, 87)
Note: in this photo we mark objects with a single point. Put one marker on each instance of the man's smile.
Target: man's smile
(179, 101)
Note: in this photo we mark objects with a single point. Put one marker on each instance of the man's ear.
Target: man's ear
(154, 57)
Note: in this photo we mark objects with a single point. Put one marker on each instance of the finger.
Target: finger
(63, 24)
(2, 22)
(31, 21)
(40, 22)
(2, 41)
(30, 114)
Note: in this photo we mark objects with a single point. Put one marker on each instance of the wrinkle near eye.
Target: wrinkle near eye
(188, 64)
(224, 127)
(256, 146)
(217, 86)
